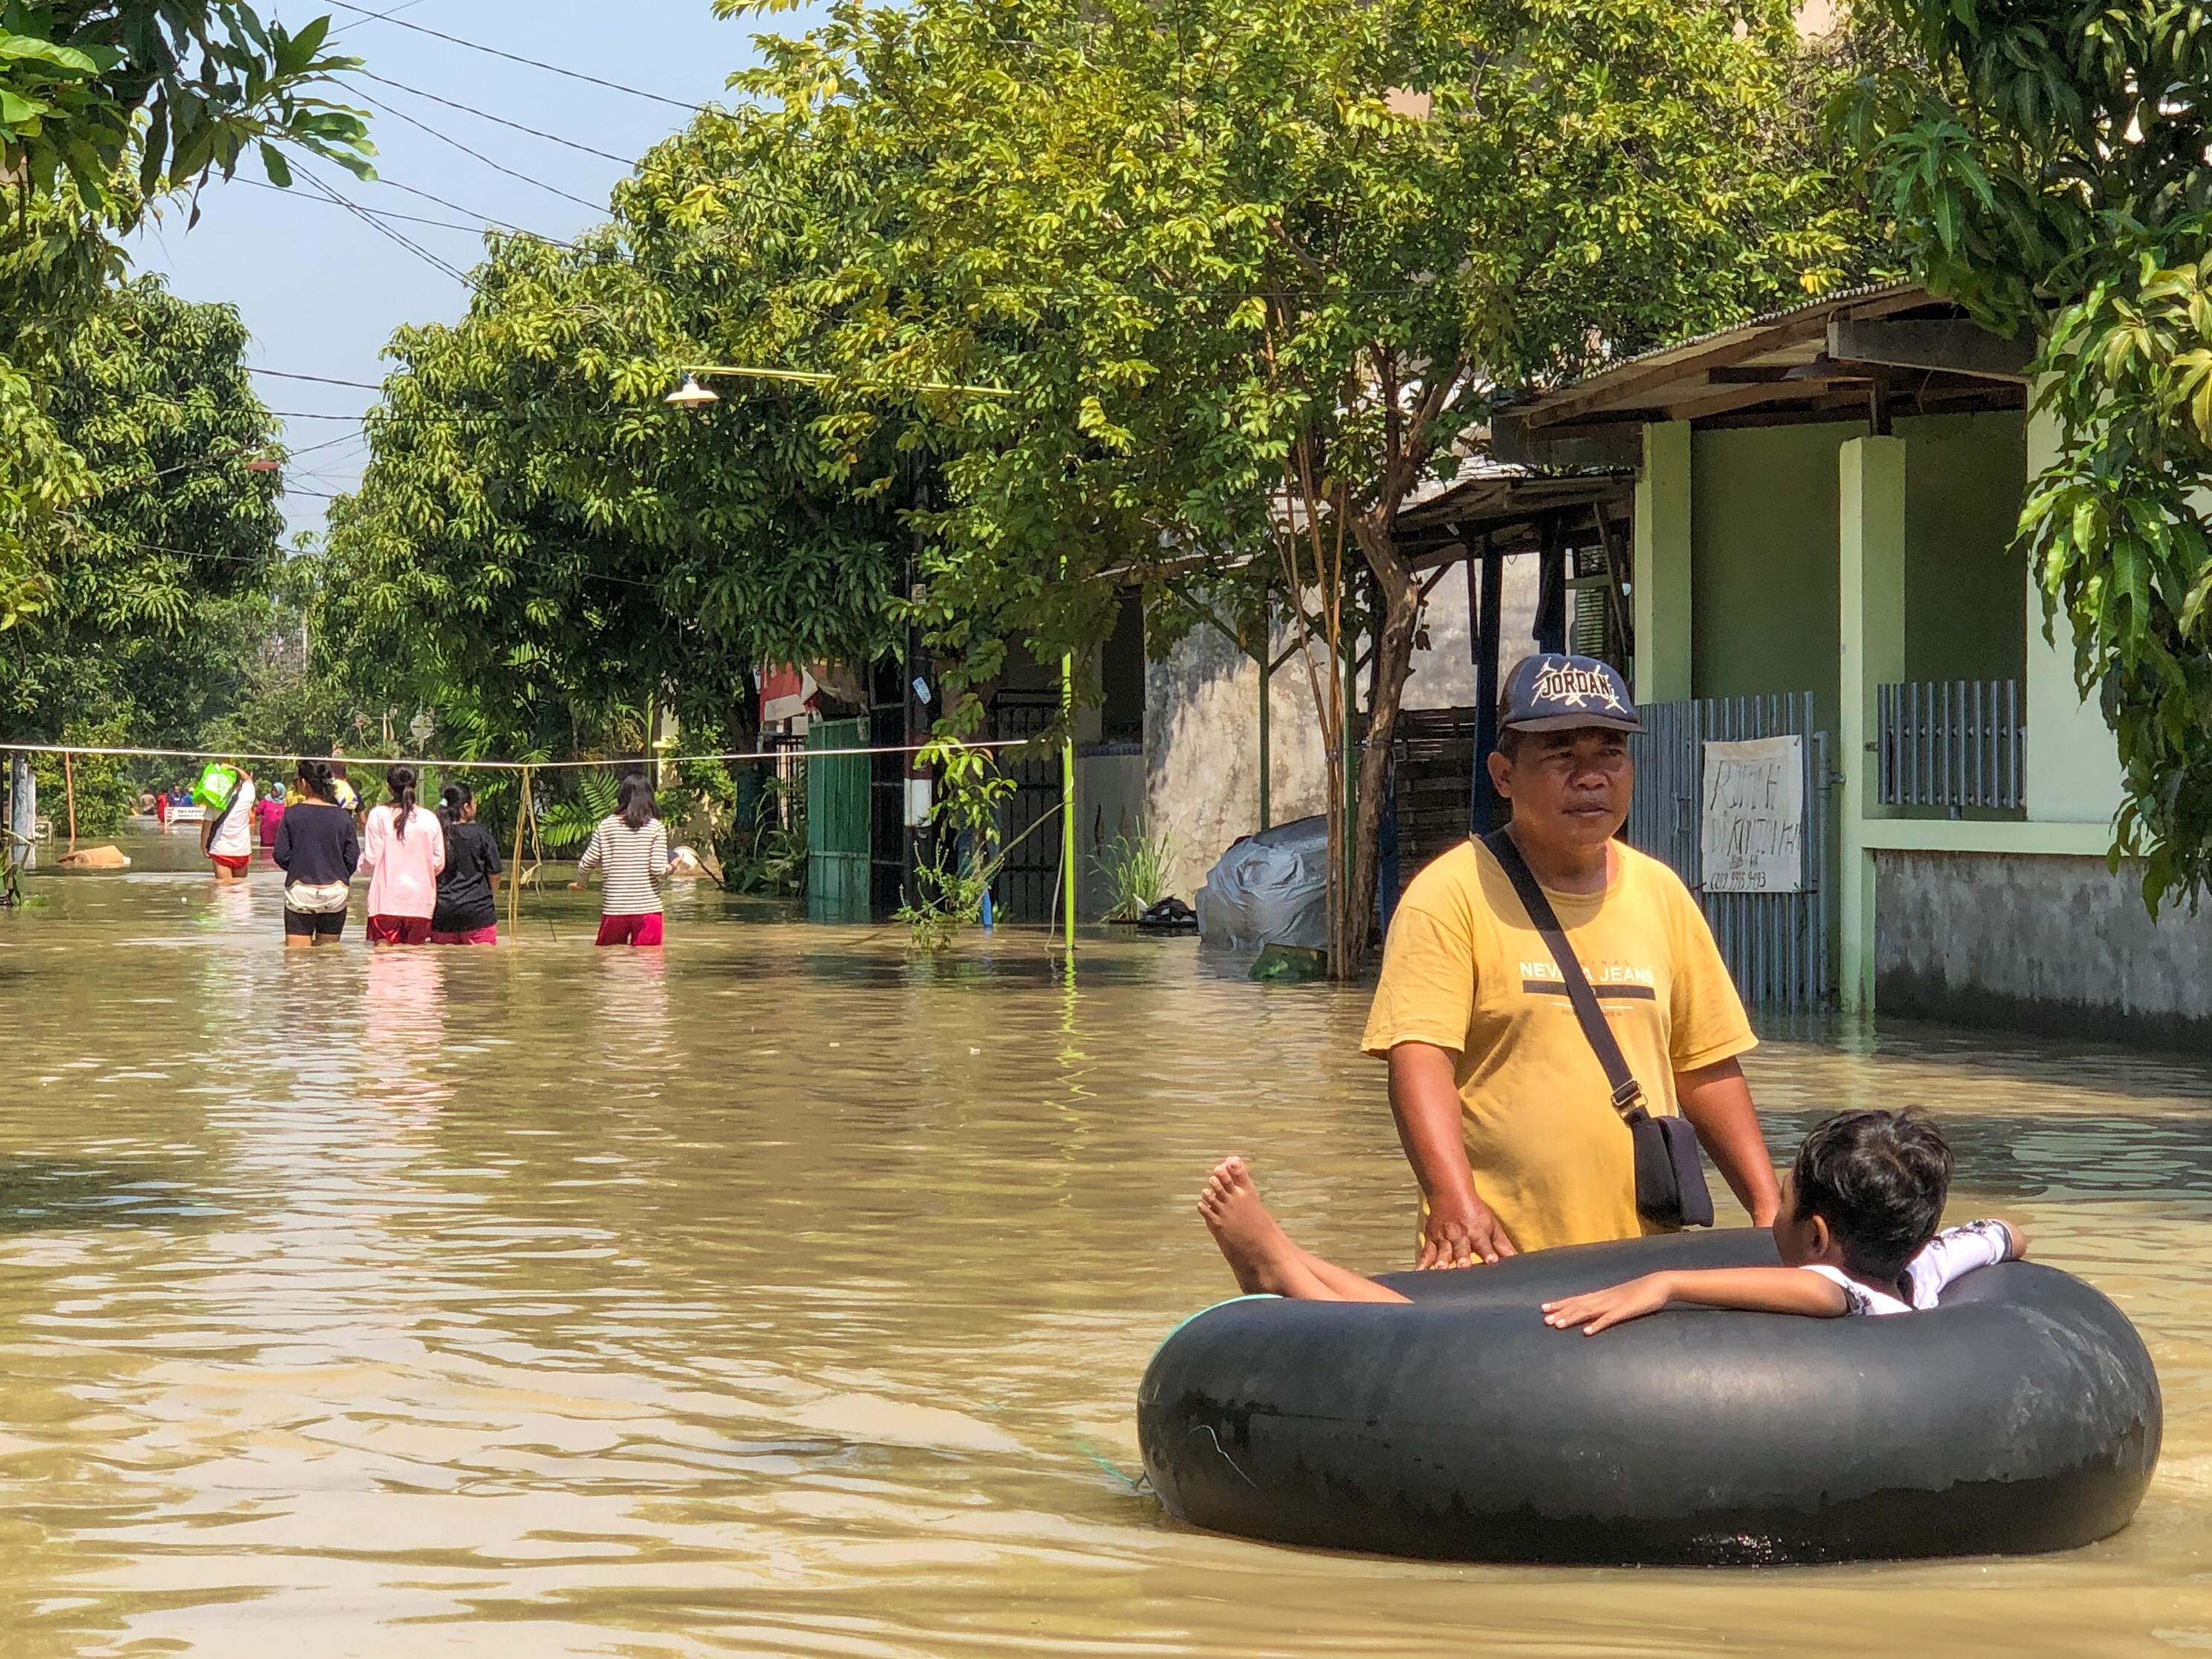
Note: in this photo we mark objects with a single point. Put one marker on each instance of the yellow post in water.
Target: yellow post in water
(1067, 797)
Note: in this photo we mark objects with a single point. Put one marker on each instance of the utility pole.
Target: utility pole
(23, 813)
(1067, 800)
(920, 792)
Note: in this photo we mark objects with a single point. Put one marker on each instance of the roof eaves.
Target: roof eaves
(1827, 303)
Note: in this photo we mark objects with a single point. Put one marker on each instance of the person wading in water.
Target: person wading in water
(1502, 1105)
(467, 913)
(404, 850)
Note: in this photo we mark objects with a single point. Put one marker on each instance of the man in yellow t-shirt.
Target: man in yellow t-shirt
(1502, 1105)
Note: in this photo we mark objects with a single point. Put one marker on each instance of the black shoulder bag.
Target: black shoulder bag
(1670, 1182)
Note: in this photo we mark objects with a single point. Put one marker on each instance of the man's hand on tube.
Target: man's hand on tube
(1462, 1230)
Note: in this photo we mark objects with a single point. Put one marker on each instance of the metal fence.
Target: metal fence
(1029, 883)
(837, 823)
(1949, 743)
(1777, 945)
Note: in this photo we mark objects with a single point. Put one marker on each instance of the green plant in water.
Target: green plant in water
(972, 792)
(1136, 871)
(770, 857)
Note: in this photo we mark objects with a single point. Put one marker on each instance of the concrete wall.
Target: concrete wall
(1965, 614)
(1202, 722)
(1763, 551)
(1109, 799)
(2054, 945)
(1763, 537)
(2073, 762)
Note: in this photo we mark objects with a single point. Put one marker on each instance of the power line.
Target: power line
(483, 219)
(446, 765)
(476, 230)
(445, 138)
(387, 231)
(223, 457)
(309, 449)
(512, 57)
(320, 380)
(386, 16)
(497, 120)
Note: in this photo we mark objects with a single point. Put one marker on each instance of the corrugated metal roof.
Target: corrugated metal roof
(1826, 305)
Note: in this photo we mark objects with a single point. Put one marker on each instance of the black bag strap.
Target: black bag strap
(1628, 1092)
(228, 806)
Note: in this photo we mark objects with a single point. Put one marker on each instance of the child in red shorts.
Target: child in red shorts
(630, 849)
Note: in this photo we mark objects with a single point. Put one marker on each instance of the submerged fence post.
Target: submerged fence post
(514, 869)
(23, 813)
(1067, 798)
(1267, 664)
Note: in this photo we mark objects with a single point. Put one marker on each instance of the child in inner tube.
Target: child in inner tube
(1856, 1233)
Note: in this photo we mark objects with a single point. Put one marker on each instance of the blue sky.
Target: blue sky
(322, 291)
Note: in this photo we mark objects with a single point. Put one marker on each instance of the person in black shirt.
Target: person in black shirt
(317, 849)
(465, 913)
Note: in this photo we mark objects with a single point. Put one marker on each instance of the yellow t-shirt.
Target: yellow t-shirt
(1466, 970)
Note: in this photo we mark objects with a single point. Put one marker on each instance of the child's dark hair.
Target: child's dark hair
(315, 779)
(634, 798)
(1879, 1180)
(456, 797)
(400, 780)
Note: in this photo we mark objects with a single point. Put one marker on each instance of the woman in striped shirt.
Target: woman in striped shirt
(631, 850)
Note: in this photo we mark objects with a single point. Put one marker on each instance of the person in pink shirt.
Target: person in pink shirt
(402, 849)
(269, 813)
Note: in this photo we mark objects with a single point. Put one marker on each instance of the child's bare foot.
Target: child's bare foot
(1260, 1253)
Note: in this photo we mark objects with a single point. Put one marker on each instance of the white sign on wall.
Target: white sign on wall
(1754, 826)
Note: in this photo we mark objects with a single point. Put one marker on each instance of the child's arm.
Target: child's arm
(1756, 1290)
(588, 863)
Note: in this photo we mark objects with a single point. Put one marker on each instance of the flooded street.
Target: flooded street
(785, 1294)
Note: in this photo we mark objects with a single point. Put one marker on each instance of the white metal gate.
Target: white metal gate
(1777, 945)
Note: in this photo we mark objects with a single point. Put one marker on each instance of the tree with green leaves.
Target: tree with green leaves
(107, 107)
(2047, 169)
(1254, 273)
(169, 529)
(541, 547)
(173, 89)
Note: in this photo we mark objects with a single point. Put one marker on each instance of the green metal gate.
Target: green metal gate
(838, 823)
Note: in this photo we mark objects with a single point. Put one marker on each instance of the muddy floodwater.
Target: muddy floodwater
(782, 1294)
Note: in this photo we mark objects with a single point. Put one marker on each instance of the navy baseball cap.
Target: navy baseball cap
(1552, 691)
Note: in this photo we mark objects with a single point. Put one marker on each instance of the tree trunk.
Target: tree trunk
(1394, 661)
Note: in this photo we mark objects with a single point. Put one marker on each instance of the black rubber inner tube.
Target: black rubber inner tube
(2021, 1415)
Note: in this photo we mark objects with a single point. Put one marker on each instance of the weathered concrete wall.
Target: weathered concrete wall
(1202, 750)
(2052, 944)
(1109, 794)
(1202, 722)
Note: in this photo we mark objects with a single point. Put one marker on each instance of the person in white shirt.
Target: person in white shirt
(631, 850)
(226, 832)
(1856, 1233)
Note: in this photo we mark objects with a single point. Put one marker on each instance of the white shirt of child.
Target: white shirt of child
(1952, 1253)
(234, 838)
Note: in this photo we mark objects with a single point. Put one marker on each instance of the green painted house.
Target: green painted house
(1825, 504)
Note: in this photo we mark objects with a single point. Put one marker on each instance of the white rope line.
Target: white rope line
(637, 761)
